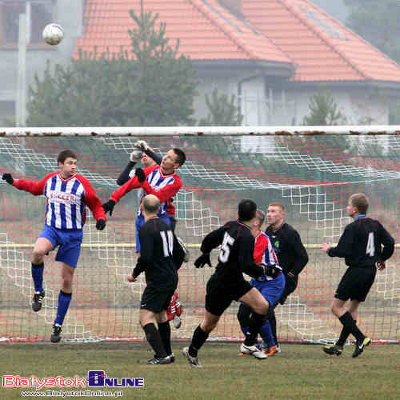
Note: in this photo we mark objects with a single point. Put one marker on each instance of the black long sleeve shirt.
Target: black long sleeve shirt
(125, 175)
(160, 254)
(236, 254)
(288, 247)
(361, 243)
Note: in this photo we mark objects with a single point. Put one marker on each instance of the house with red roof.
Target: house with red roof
(271, 54)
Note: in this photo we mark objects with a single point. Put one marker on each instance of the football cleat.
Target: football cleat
(160, 360)
(193, 361)
(272, 350)
(333, 350)
(177, 322)
(253, 350)
(37, 301)
(359, 347)
(56, 334)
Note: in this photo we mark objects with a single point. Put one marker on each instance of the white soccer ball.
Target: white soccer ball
(53, 34)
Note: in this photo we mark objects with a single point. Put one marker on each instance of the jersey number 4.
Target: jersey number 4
(371, 245)
(225, 249)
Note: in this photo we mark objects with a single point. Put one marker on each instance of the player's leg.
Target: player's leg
(153, 305)
(272, 291)
(138, 224)
(64, 300)
(199, 337)
(217, 301)
(44, 244)
(164, 327)
(164, 330)
(344, 334)
(68, 254)
(366, 277)
(254, 299)
(147, 319)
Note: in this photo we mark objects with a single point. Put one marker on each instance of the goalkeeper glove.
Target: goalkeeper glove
(203, 260)
(136, 155)
(100, 224)
(141, 145)
(8, 178)
(109, 206)
(140, 175)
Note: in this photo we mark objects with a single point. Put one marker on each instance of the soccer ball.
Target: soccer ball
(53, 34)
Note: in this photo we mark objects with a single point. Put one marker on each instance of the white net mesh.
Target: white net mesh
(312, 175)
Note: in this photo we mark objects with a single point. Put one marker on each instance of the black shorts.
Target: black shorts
(356, 283)
(156, 299)
(290, 287)
(220, 293)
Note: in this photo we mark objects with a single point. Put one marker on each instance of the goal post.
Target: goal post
(311, 170)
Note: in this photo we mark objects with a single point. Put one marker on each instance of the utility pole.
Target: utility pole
(21, 74)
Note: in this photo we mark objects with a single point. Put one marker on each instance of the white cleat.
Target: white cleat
(254, 351)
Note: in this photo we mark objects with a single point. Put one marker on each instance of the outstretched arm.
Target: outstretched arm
(34, 187)
(133, 183)
(125, 174)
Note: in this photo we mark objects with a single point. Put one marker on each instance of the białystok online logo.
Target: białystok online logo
(95, 378)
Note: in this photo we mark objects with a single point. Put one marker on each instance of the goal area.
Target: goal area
(311, 170)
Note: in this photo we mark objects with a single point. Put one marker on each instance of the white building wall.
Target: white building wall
(359, 106)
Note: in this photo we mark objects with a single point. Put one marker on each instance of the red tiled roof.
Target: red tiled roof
(288, 31)
(205, 29)
(322, 48)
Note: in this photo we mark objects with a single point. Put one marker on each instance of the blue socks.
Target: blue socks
(37, 276)
(63, 303)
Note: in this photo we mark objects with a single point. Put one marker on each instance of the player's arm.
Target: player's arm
(344, 246)
(178, 255)
(388, 244)
(146, 251)
(34, 187)
(300, 255)
(126, 174)
(166, 192)
(210, 242)
(133, 183)
(94, 203)
(143, 146)
(246, 259)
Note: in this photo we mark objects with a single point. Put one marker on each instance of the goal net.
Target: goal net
(312, 171)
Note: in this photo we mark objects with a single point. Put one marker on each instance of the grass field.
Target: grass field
(299, 372)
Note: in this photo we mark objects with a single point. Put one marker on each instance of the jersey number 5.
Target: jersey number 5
(168, 244)
(225, 249)
(370, 245)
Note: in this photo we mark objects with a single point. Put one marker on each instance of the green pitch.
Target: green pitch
(299, 372)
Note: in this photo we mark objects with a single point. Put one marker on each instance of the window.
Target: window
(38, 12)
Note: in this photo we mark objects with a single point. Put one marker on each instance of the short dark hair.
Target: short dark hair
(63, 155)
(360, 200)
(247, 210)
(180, 156)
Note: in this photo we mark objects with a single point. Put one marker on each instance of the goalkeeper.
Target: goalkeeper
(67, 194)
(149, 158)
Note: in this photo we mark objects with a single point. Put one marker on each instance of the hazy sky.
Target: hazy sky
(336, 8)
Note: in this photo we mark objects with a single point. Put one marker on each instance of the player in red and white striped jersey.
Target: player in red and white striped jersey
(270, 285)
(68, 194)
